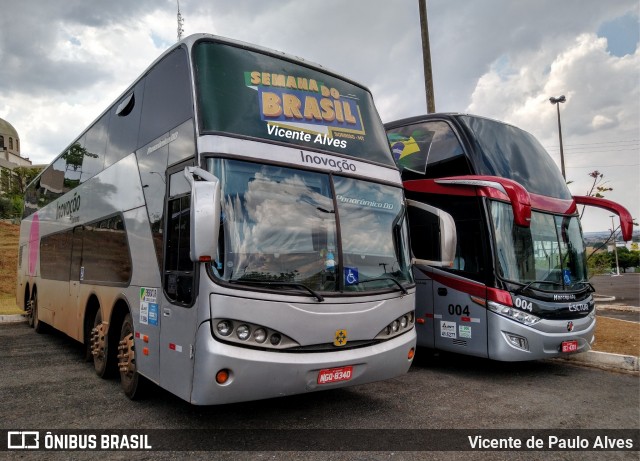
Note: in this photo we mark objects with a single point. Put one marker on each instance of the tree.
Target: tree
(597, 190)
(23, 175)
(627, 258)
(14, 184)
(600, 263)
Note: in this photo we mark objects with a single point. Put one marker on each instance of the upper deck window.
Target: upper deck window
(247, 93)
(509, 152)
(427, 150)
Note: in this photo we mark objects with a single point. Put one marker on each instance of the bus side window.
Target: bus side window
(92, 152)
(167, 97)
(446, 156)
(124, 125)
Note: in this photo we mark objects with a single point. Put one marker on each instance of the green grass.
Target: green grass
(8, 306)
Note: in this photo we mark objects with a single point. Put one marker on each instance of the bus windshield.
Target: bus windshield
(549, 255)
(280, 228)
(247, 93)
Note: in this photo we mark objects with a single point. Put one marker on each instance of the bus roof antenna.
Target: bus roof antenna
(180, 22)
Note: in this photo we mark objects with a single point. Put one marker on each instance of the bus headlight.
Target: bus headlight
(397, 327)
(260, 335)
(224, 327)
(243, 332)
(514, 314)
(250, 335)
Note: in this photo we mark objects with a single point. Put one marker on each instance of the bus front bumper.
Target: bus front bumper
(512, 341)
(259, 374)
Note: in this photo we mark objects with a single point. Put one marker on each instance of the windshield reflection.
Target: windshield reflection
(549, 255)
(279, 225)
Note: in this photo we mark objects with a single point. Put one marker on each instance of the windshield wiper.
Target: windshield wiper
(313, 293)
(403, 289)
(588, 284)
(528, 285)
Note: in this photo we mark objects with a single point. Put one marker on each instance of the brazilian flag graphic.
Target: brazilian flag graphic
(408, 153)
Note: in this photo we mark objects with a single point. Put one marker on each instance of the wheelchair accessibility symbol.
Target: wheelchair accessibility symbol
(350, 276)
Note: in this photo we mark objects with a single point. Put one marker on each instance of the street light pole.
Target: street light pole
(615, 247)
(557, 102)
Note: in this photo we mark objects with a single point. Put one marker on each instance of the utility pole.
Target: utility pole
(557, 102)
(426, 57)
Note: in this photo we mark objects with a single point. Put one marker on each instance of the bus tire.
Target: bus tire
(102, 356)
(27, 307)
(132, 383)
(38, 326)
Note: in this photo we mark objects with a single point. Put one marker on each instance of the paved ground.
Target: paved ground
(625, 288)
(47, 385)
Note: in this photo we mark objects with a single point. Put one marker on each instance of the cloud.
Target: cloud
(602, 109)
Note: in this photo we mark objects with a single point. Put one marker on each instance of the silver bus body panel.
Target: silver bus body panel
(483, 333)
(460, 325)
(185, 353)
(542, 344)
(257, 374)
(314, 323)
(292, 157)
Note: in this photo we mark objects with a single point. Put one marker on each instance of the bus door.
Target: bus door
(178, 312)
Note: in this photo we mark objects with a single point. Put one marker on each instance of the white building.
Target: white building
(10, 157)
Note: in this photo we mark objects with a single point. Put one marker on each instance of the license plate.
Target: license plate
(332, 375)
(569, 346)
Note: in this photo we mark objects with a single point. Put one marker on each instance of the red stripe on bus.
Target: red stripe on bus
(473, 288)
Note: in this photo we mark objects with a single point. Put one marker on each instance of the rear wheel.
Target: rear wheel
(28, 308)
(132, 383)
(100, 347)
(38, 326)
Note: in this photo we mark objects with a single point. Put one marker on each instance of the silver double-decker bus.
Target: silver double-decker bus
(233, 227)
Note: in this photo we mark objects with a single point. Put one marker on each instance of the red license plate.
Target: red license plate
(569, 346)
(332, 375)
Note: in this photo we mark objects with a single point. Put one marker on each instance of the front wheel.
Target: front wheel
(132, 383)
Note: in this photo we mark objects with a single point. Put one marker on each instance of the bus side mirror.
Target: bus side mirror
(433, 235)
(205, 214)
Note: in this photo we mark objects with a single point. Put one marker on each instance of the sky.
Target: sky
(62, 62)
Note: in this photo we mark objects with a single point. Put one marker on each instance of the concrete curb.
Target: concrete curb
(15, 318)
(603, 298)
(617, 307)
(617, 362)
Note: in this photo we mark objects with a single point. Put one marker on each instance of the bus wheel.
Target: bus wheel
(38, 326)
(29, 312)
(132, 383)
(100, 346)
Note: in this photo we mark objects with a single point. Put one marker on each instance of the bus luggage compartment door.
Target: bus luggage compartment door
(460, 324)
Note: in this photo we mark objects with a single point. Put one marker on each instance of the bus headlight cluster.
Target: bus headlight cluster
(250, 334)
(398, 326)
(514, 314)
